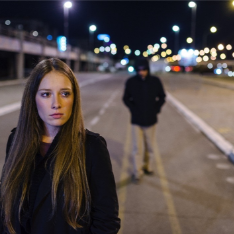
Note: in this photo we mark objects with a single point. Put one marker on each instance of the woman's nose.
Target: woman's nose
(56, 103)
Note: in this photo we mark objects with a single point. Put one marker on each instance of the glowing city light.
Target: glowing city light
(168, 51)
(92, 28)
(213, 29)
(157, 46)
(155, 58)
(228, 47)
(167, 68)
(210, 65)
(163, 39)
(123, 62)
(113, 46)
(102, 49)
(202, 52)
(192, 4)
(106, 39)
(149, 46)
(213, 50)
(189, 40)
(206, 50)
(145, 54)
(49, 37)
(7, 22)
(67, 4)
(131, 69)
(126, 47)
(222, 56)
(128, 51)
(35, 33)
(205, 58)
(175, 28)
(218, 71)
(198, 59)
(96, 51)
(107, 49)
(220, 47)
(137, 52)
(62, 43)
(164, 45)
(224, 65)
(196, 52)
(163, 54)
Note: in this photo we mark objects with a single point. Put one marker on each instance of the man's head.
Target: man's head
(142, 67)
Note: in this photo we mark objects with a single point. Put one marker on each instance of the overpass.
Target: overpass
(19, 50)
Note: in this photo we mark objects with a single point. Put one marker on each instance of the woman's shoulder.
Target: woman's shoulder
(97, 154)
(94, 138)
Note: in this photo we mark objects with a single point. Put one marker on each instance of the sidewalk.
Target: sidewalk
(210, 98)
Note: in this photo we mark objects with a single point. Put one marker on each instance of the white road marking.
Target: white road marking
(94, 120)
(9, 108)
(213, 156)
(103, 109)
(223, 166)
(230, 180)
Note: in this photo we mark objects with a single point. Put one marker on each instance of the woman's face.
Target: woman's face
(54, 100)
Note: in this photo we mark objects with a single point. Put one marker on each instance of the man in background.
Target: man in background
(144, 96)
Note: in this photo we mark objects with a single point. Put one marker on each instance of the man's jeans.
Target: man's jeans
(143, 148)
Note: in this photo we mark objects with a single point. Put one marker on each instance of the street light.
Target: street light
(66, 7)
(213, 29)
(193, 5)
(92, 29)
(176, 29)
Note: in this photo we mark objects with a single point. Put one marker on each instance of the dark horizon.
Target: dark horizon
(136, 24)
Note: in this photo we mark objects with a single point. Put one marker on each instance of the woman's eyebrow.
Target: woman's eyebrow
(50, 89)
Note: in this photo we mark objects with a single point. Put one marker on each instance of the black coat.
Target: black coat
(144, 98)
(104, 207)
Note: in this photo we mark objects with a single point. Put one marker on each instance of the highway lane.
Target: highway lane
(189, 192)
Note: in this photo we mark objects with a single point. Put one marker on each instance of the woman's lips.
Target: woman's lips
(56, 116)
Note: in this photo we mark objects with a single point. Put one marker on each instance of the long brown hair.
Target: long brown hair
(69, 160)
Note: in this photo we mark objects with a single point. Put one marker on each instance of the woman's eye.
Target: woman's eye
(46, 94)
(65, 94)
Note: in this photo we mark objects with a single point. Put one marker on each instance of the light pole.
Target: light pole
(66, 7)
(176, 29)
(193, 5)
(92, 29)
(213, 29)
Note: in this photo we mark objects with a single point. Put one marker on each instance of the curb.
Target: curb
(219, 141)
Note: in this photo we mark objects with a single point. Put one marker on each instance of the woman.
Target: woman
(57, 177)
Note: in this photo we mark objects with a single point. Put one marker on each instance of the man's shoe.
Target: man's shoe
(147, 172)
(135, 180)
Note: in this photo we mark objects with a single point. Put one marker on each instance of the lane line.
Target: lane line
(175, 225)
(96, 119)
(16, 105)
(9, 108)
(122, 192)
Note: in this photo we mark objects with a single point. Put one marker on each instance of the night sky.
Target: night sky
(135, 23)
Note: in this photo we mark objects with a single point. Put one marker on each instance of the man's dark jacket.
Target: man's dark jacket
(144, 98)
(104, 206)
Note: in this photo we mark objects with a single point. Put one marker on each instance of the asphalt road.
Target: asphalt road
(192, 189)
